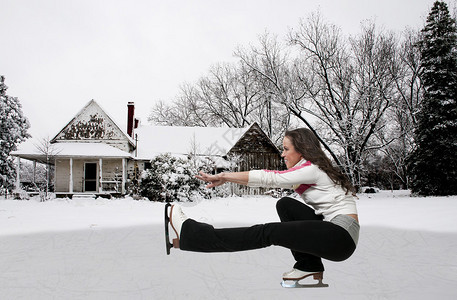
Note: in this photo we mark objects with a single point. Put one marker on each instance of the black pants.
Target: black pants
(301, 230)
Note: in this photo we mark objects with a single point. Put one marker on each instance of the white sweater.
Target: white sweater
(312, 184)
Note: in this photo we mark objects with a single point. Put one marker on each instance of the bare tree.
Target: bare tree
(49, 152)
(398, 136)
(223, 97)
(230, 95)
(347, 88)
(409, 85)
(186, 110)
(274, 74)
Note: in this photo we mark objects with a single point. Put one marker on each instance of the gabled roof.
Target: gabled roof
(177, 140)
(248, 144)
(92, 123)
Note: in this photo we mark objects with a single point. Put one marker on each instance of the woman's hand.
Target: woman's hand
(214, 180)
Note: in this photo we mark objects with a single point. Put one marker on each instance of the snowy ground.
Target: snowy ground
(114, 249)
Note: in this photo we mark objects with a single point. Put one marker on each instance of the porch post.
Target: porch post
(100, 164)
(70, 184)
(18, 176)
(34, 171)
(123, 175)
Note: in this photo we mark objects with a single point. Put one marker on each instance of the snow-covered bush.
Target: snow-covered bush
(172, 179)
(20, 194)
(369, 190)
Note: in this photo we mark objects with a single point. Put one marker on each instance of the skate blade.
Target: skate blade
(167, 235)
(296, 284)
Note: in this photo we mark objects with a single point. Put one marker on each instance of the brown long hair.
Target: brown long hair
(306, 143)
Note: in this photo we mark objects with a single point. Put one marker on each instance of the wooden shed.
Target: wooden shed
(256, 151)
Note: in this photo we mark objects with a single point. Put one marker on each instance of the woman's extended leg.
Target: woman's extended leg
(318, 238)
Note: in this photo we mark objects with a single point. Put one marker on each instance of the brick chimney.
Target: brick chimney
(130, 118)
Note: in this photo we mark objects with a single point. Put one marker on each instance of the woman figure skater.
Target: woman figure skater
(324, 226)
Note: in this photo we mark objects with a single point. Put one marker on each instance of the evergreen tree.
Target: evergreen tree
(13, 130)
(433, 163)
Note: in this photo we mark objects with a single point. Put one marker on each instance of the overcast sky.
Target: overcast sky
(57, 55)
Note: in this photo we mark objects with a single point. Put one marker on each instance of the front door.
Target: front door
(90, 177)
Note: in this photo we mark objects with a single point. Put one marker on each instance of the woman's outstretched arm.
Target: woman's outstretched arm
(221, 178)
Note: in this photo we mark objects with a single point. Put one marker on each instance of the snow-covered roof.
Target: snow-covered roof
(71, 149)
(207, 141)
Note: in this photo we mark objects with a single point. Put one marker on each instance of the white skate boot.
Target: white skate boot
(176, 218)
(291, 279)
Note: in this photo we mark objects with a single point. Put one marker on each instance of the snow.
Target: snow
(182, 140)
(114, 249)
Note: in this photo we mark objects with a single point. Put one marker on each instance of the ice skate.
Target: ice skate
(167, 235)
(291, 279)
(175, 218)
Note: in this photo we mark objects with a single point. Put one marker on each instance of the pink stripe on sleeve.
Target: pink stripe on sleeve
(302, 188)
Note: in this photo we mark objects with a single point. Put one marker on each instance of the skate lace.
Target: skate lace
(182, 215)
